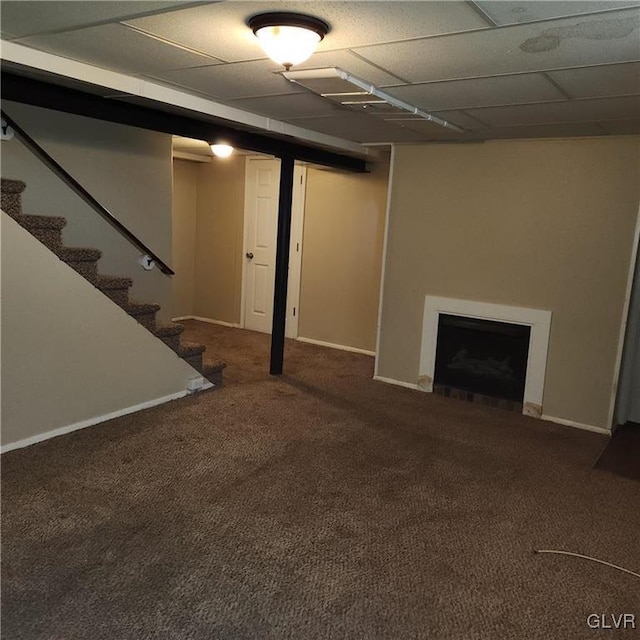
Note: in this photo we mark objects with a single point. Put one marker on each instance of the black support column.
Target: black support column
(282, 265)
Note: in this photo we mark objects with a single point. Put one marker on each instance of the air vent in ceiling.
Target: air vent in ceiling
(341, 87)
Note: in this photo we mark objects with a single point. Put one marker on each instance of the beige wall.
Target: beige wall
(184, 221)
(341, 256)
(127, 169)
(68, 353)
(220, 214)
(543, 224)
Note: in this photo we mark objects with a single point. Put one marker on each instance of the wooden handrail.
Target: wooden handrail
(70, 181)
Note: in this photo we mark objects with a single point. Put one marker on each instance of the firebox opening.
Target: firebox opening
(482, 356)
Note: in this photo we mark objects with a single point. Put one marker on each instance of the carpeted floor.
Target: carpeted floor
(321, 505)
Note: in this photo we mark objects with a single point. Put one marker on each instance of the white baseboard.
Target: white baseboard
(563, 421)
(332, 345)
(233, 325)
(576, 425)
(398, 383)
(40, 437)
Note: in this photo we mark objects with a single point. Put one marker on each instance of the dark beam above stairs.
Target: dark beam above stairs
(43, 94)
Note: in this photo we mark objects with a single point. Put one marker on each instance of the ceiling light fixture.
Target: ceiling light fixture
(288, 38)
(221, 150)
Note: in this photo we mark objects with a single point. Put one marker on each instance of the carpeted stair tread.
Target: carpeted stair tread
(78, 254)
(212, 371)
(190, 349)
(113, 282)
(142, 308)
(41, 222)
(168, 329)
(12, 186)
(213, 367)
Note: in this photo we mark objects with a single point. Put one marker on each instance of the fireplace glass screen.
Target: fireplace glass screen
(482, 356)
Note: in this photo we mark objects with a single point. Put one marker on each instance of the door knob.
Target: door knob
(249, 255)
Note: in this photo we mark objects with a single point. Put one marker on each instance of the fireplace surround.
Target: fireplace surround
(528, 324)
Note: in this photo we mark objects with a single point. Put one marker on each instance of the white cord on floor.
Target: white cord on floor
(579, 555)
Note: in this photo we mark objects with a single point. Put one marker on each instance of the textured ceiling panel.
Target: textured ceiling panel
(622, 127)
(228, 81)
(350, 63)
(25, 18)
(462, 119)
(519, 12)
(220, 29)
(593, 110)
(588, 40)
(261, 77)
(607, 80)
(432, 131)
(362, 128)
(564, 130)
(480, 92)
(118, 48)
(290, 106)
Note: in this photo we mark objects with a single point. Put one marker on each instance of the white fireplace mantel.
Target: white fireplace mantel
(538, 319)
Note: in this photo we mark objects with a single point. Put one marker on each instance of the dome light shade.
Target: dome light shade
(288, 38)
(222, 150)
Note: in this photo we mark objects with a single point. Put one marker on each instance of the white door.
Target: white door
(261, 230)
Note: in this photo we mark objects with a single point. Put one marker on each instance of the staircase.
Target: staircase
(48, 230)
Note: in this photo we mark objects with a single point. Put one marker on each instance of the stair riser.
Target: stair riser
(195, 361)
(147, 320)
(119, 296)
(11, 204)
(215, 378)
(51, 238)
(88, 270)
(173, 342)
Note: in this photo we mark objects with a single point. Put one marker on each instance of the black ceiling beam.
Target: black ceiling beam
(44, 94)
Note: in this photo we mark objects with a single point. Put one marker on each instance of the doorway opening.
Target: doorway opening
(262, 185)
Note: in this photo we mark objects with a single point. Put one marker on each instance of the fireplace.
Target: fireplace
(483, 359)
(477, 350)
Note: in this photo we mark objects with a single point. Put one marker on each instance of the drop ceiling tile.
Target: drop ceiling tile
(478, 92)
(235, 80)
(263, 77)
(605, 80)
(572, 42)
(288, 106)
(622, 127)
(592, 110)
(362, 23)
(220, 29)
(433, 131)
(359, 128)
(520, 12)
(350, 63)
(117, 48)
(462, 119)
(27, 18)
(564, 130)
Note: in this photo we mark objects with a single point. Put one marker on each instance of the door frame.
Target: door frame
(295, 257)
(619, 372)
